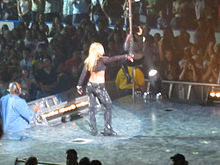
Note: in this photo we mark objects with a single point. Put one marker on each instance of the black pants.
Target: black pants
(98, 91)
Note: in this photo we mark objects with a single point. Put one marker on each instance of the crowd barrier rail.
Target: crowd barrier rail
(190, 92)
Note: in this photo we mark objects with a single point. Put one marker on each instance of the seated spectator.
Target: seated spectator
(212, 71)
(29, 40)
(125, 87)
(179, 159)
(9, 38)
(183, 41)
(169, 68)
(199, 64)
(19, 46)
(194, 51)
(46, 78)
(95, 162)
(200, 35)
(167, 42)
(146, 33)
(188, 72)
(162, 21)
(41, 51)
(64, 79)
(84, 161)
(75, 60)
(210, 49)
(57, 26)
(186, 56)
(25, 83)
(176, 21)
(43, 27)
(71, 157)
(4, 29)
(14, 73)
(26, 62)
(31, 161)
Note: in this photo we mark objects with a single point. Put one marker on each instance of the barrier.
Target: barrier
(189, 92)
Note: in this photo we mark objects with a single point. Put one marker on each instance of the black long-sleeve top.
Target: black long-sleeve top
(100, 66)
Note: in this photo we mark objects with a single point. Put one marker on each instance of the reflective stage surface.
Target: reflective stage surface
(148, 134)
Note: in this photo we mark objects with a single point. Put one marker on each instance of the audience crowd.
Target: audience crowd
(49, 60)
(72, 159)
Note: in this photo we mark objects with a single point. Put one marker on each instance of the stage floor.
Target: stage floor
(148, 134)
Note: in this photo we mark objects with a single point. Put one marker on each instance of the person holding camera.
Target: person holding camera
(188, 72)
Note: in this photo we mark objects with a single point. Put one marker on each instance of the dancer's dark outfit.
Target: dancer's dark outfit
(136, 48)
(97, 90)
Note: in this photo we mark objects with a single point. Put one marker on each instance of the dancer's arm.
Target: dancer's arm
(107, 60)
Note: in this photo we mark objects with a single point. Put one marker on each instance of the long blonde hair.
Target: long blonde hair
(96, 50)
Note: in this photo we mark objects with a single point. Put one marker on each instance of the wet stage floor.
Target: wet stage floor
(148, 134)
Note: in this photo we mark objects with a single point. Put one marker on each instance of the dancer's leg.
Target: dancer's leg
(92, 118)
(105, 99)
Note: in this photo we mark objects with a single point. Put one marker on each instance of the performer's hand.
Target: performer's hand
(79, 90)
(36, 108)
(131, 58)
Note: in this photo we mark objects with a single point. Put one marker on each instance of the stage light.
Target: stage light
(155, 83)
(152, 72)
(63, 110)
(217, 94)
(212, 94)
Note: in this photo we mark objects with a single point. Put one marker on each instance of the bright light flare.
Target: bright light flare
(217, 94)
(152, 72)
(72, 107)
(212, 94)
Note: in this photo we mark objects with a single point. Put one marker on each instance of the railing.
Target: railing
(189, 84)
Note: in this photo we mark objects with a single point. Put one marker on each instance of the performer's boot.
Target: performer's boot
(108, 131)
(125, 70)
(93, 128)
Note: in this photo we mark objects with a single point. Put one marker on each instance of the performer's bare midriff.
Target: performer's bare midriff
(97, 77)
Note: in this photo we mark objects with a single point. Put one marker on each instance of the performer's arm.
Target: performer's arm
(81, 80)
(23, 109)
(107, 60)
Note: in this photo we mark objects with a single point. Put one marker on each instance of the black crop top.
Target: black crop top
(100, 66)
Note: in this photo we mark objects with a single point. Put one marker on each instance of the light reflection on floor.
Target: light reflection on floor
(148, 133)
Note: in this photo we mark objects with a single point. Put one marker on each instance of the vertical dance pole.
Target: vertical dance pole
(131, 46)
